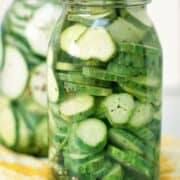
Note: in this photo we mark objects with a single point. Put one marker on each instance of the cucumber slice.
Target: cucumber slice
(9, 135)
(131, 160)
(142, 115)
(123, 31)
(148, 81)
(122, 138)
(137, 16)
(15, 74)
(79, 156)
(124, 70)
(104, 48)
(64, 66)
(119, 108)
(38, 86)
(129, 59)
(77, 107)
(53, 87)
(92, 90)
(101, 74)
(76, 77)
(69, 37)
(102, 19)
(143, 133)
(39, 29)
(139, 49)
(143, 94)
(116, 172)
(91, 135)
(85, 168)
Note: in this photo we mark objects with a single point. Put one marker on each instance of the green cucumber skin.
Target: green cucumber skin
(131, 160)
(92, 90)
(82, 144)
(78, 117)
(76, 77)
(116, 172)
(122, 138)
(88, 149)
(86, 167)
(102, 75)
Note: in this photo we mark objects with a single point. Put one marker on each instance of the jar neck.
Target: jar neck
(109, 3)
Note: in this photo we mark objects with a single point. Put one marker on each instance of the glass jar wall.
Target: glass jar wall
(104, 90)
(25, 33)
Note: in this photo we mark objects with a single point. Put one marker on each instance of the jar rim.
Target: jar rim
(107, 2)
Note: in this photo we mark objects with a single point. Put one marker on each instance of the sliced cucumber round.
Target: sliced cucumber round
(142, 115)
(104, 48)
(131, 160)
(15, 73)
(38, 85)
(77, 107)
(69, 37)
(119, 108)
(92, 90)
(77, 41)
(91, 135)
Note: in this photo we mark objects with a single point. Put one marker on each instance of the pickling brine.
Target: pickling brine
(25, 33)
(104, 91)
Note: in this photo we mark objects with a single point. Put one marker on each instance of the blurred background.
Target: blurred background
(166, 17)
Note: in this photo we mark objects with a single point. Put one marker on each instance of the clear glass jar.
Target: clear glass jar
(104, 90)
(25, 33)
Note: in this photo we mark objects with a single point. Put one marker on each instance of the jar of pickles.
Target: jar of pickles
(25, 33)
(104, 91)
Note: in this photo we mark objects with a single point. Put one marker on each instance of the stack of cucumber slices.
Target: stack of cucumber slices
(104, 90)
(24, 37)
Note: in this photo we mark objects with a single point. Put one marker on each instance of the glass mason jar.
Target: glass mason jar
(104, 91)
(25, 33)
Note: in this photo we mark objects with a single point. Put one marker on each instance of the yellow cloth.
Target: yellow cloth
(14, 166)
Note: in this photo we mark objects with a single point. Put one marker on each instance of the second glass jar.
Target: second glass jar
(104, 90)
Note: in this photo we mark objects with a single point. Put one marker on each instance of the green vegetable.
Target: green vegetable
(77, 107)
(119, 108)
(91, 135)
